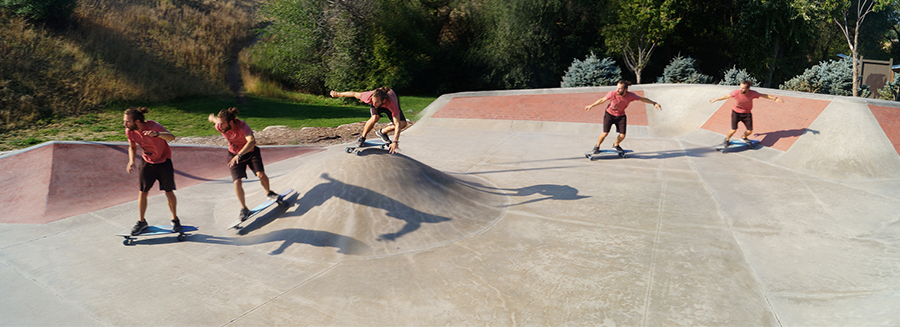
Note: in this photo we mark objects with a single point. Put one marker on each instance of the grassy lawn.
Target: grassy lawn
(188, 117)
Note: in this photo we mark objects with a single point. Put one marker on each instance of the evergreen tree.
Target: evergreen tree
(592, 72)
(682, 70)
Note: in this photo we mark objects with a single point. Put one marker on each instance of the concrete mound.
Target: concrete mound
(374, 204)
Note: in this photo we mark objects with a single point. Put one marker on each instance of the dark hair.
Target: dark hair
(228, 114)
(749, 83)
(137, 113)
(381, 92)
(622, 81)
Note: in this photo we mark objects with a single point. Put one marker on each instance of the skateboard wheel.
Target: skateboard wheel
(180, 237)
(349, 150)
(125, 242)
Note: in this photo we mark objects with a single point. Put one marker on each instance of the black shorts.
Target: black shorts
(385, 112)
(162, 172)
(747, 119)
(252, 159)
(609, 120)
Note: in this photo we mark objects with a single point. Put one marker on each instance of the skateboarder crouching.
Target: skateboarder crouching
(615, 113)
(741, 112)
(242, 152)
(382, 100)
(156, 164)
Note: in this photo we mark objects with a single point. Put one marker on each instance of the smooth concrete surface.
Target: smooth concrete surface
(494, 222)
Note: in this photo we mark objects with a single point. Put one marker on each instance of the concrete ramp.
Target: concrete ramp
(57, 179)
(491, 215)
(373, 204)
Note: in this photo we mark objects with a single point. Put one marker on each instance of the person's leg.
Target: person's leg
(264, 181)
(601, 138)
(142, 205)
(239, 191)
(173, 203)
(619, 140)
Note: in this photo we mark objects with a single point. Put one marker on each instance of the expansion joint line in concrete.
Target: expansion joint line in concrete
(733, 236)
(490, 153)
(281, 294)
(662, 202)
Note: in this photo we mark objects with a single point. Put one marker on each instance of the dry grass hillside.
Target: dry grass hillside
(119, 50)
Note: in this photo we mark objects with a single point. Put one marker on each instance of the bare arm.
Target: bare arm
(165, 135)
(654, 103)
(132, 150)
(596, 103)
(771, 97)
(719, 98)
(347, 94)
(395, 145)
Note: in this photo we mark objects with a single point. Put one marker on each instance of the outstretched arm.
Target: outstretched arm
(654, 103)
(771, 97)
(596, 103)
(719, 98)
(347, 94)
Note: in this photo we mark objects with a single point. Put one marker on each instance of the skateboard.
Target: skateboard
(604, 152)
(357, 149)
(260, 208)
(156, 230)
(737, 145)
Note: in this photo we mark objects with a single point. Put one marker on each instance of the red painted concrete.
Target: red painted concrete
(776, 125)
(889, 119)
(63, 179)
(542, 107)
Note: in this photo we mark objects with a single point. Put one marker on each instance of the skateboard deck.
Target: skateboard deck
(367, 144)
(606, 152)
(156, 230)
(737, 145)
(260, 208)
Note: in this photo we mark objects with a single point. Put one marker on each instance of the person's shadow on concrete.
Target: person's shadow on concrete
(287, 237)
(770, 138)
(549, 191)
(333, 188)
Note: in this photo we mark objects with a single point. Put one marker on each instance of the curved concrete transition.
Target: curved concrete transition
(371, 205)
(491, 215)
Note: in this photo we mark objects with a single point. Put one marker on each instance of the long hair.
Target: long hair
(137, 113)
(381, 92)
(229, 114)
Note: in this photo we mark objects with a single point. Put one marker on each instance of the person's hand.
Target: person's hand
(588, 108)
(234, 161)
(129, 167)
(333, 94)
(658, 107)
(395, 147)
(151, 133)
(779, 100)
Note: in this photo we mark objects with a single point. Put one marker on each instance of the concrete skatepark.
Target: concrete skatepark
(491, 215)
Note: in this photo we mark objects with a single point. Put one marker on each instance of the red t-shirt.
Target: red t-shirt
(743, 102)
(154, 149)
(392, 104)
(618, 103)
(236, 136)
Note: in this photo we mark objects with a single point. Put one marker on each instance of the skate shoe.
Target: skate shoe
(176, 225)
(139, 227)
(245, 213)
(382, 136)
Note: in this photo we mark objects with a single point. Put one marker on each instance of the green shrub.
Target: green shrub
(735, 76)
(592, 72)
(830, 77)
(682, 70)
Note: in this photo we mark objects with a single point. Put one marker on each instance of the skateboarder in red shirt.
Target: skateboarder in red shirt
(242, 152)
(382, 100)
(615, 113)
(156, 164)
(741, 112)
